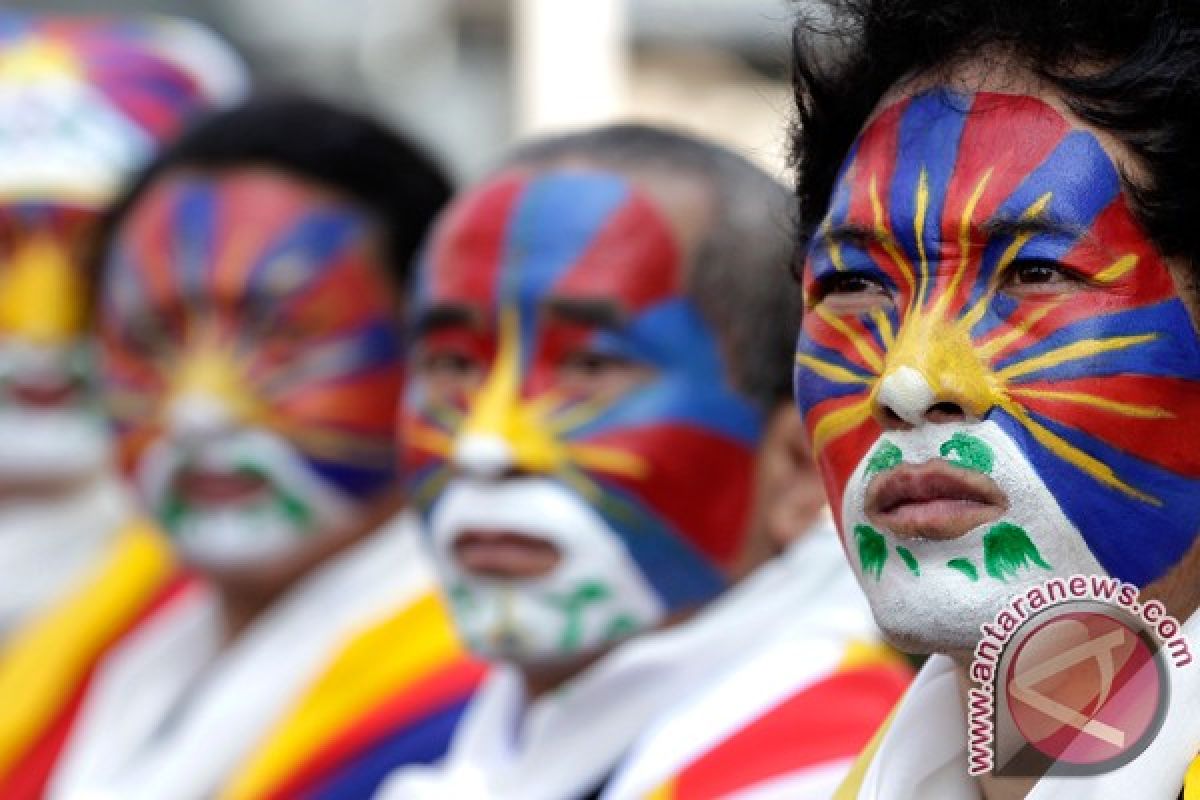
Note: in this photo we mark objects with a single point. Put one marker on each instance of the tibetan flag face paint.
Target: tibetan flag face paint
(251, 359)
(582, 463)
(982, 304)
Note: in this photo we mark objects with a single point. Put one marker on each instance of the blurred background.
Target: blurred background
(470, 76)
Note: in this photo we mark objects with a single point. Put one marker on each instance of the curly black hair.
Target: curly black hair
(1128, 67)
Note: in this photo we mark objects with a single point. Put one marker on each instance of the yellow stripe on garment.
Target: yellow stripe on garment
(664, 792)
(44, 662)
(860, 653)
(390, 654)
(865, 654)
(1191, 781)
(852, 784)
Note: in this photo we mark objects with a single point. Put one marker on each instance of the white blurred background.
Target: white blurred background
(470, 76)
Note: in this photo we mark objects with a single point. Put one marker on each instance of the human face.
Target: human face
(573, 442)
(251, 360)
(51, 429)
(995, 366)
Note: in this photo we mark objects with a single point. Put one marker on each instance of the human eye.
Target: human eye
(1038, 276)
(850, 293)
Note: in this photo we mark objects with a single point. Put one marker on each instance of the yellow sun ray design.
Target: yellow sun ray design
(1073, 455)
(998, 345)
(576, 416)
(831, 372)
(883, 323)
(920, 213)
(1075, 351)
(860, 343)
(425, 437)
(1119, 269)
(1135, 410)
(836, 424)
(964, 246)
(887, 241)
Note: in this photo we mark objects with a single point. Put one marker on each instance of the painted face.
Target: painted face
(251, 360)
(573, 442)
(995, 367)
(48, 424)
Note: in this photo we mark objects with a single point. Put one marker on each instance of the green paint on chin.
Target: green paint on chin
(965, 566)
(910, 560)
(1008, 549)
(572, 607)
(872, 550)
(968, 452)
(886, 456)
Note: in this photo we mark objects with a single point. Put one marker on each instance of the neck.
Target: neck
(992, 786)
(542, 679)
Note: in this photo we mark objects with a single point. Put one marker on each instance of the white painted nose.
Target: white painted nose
(906, 392)
(483, 455)
(197, 417)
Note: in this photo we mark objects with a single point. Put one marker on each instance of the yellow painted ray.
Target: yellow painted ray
(1068, 452)
(837, 423)
(887, 241)
(432, 485)
(831, 372)
(611, 460)
(576, 416)
(920, 212)
(1134, 410)
(420, 436)
(883, 323)
(1001, 343)
(1076, 351)
(964, 246)
(1118, 269)
(860, 342)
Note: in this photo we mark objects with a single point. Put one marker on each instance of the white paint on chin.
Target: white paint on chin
(941, 610)
(250, 533)
(523, 621)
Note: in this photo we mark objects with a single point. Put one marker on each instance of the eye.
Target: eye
(1028, 277)
(851, 293)
(592, 372)
(448, 373)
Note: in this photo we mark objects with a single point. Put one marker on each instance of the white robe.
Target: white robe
(568, 742)
(170, 715)
(828, 614)
(46, 548)
(923, 753)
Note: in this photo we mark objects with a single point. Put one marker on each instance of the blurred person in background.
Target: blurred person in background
(83, 102)
(1000, 367)
(600, 334)
(248, 318)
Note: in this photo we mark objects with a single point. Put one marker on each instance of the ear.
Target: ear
(788, 495)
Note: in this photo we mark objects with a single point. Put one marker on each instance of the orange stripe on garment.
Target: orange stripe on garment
(400, 651)
(45, 663)
(828, 721)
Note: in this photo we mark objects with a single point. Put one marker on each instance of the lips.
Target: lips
(505, 555)
(201, 487)
(934, 500)
(44, 395)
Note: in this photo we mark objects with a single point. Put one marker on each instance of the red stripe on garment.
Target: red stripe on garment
(828, 721)
(407, 705)
(28, 780)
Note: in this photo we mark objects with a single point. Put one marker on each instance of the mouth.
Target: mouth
(505, 555)
(933, 500)
(203, 487)
(44, 395)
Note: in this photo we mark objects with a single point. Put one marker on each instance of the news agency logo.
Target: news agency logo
(1072, 678)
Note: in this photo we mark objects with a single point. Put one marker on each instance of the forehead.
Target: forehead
(237, 232)
(983, 156)
(522, 237)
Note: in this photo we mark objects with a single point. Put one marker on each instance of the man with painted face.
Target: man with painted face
(999, 361)
(82, 104)
(598, 329)
(248, 311)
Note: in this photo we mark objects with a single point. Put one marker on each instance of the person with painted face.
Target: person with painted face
(82, 104)
(585, 404)
(248, 315)
(999, 363)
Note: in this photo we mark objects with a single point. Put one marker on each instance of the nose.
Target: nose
(905, 400)
(486, 456)
(196, 417)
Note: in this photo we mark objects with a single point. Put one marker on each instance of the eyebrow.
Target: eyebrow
(447, 316)
(596, 313)
(995, 228)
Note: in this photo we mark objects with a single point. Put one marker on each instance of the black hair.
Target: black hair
(739, 278)
(1128, 67)
(346, 151)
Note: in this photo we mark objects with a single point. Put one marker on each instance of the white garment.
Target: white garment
(170, 715)
(923, 754)
(567, 742)
(828, 612)
(47, 548)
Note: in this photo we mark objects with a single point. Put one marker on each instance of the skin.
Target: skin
(995, 72)
(247, 589)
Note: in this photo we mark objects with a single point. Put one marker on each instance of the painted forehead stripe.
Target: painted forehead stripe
(925, 182)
